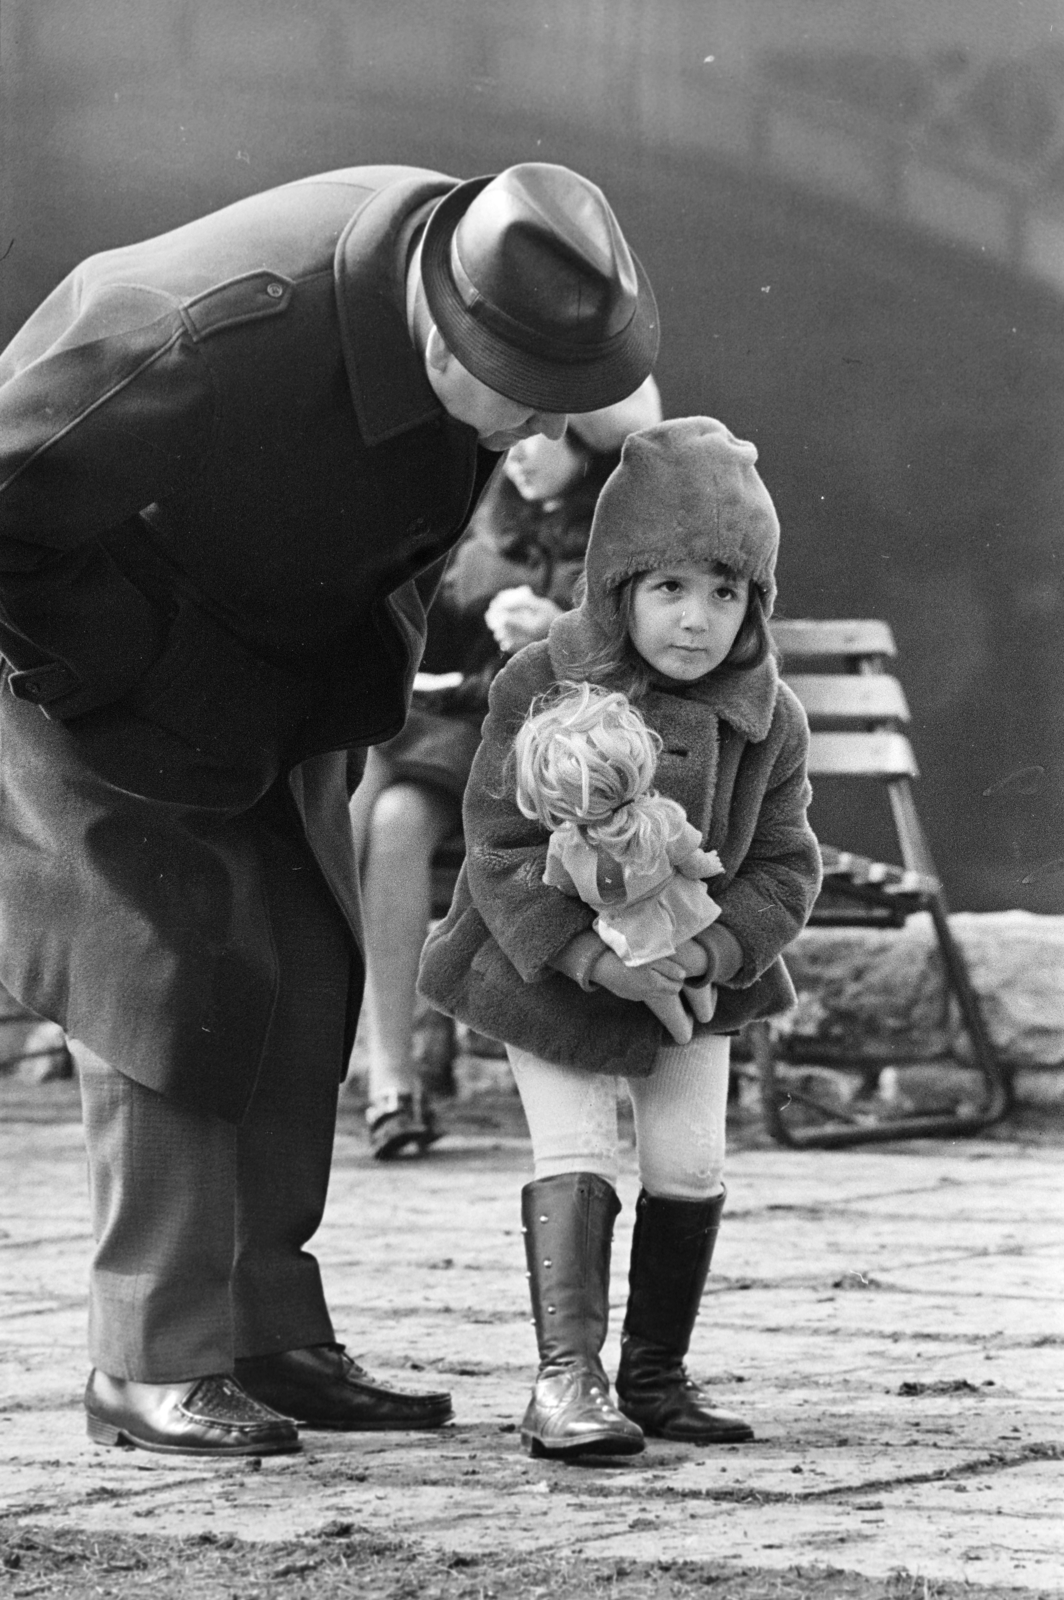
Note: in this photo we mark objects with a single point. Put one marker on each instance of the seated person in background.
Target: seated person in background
(517, 563)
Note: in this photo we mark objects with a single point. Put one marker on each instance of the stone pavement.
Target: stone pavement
(890, 1320)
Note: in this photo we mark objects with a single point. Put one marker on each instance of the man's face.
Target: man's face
(499, 422)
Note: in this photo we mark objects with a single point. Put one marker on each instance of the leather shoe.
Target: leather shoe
(210, 1416)
(322, 1387)
(571, 1414)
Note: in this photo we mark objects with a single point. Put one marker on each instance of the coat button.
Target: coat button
(275, 290)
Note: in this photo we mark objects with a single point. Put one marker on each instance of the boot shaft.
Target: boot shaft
(672, 1248)
(567, 1223)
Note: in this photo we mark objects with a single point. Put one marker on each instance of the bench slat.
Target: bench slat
(861, 755)
(851, 697)
(804, 637)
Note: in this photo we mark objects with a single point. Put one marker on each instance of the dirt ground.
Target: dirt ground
(890, 1320)
(346, 1560)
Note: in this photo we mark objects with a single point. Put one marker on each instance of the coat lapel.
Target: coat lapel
(389, 389)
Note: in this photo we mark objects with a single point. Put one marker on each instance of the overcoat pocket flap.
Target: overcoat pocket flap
(213, 692)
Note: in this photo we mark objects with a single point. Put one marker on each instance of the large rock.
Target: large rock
(881, 991)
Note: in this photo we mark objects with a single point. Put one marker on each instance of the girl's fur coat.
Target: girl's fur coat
(734, 747)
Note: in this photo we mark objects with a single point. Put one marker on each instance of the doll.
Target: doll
(585, 761)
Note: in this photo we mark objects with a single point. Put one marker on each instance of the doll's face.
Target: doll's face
(685, 619)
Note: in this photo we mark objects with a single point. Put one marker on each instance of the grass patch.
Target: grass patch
(344, 1559)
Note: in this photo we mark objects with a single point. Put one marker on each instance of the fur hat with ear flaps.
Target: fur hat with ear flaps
(685, 490)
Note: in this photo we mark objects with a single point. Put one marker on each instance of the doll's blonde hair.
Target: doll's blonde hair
(585, 755)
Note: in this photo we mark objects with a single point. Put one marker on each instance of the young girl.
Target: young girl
(679, 583)
(584, 764)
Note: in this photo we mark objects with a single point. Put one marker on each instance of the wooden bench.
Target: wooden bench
(858, 715)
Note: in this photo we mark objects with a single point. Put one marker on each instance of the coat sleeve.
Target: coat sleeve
(767, 903)
(105, 408)
(506, 852)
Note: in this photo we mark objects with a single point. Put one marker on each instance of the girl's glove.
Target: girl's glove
(648, 984)
(580, 958)
(724, 952)
(692, 959)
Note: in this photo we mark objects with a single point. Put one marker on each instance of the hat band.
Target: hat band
(555, 347)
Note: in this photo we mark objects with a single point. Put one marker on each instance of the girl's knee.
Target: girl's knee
(600, 1163)
(407, 820)
(680, 1191)
(692, 1179)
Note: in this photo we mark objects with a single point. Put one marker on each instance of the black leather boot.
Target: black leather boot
(568, 1229)
(672, 1246)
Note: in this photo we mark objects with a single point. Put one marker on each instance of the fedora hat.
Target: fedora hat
(534, 290)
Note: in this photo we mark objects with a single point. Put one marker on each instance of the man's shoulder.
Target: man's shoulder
(289, 232)
(372, 178)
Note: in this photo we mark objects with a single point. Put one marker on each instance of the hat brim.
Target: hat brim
(574, 382)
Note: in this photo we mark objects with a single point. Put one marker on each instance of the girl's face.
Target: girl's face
(541, 468)
(685, 619)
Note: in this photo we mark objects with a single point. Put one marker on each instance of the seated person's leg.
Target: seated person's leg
(376, 777)
(407, 824)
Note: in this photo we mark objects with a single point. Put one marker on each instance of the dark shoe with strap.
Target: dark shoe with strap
(399, 1121)
(322, 1387)
(672, 1248)
(568, 1228)
(212, 1416)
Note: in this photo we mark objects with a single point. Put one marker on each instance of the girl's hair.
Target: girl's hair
(618, 662)
(585, 755)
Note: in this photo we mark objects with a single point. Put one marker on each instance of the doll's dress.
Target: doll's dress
(644, 914)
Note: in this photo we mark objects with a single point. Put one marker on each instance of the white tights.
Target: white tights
(679, 1118)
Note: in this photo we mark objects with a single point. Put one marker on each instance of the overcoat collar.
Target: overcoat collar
(745, 700)
(389, 389)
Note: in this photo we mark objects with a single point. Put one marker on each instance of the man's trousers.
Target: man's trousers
(201, 1225)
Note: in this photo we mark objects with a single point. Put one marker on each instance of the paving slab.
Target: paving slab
(890, 1319)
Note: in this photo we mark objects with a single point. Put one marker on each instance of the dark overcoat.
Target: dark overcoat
(226, 487)
(734, 749)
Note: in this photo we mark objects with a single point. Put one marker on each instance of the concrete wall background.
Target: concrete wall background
(854, 219)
